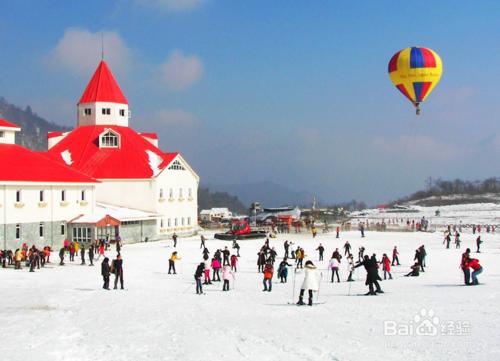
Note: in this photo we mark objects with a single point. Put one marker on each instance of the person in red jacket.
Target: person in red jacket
(386, 266)
(268, 276)
(477, 269)
(464, 267)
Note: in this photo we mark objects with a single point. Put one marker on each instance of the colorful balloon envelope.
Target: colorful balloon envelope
(415, 72)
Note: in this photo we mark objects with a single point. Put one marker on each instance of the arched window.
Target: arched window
(109, 139)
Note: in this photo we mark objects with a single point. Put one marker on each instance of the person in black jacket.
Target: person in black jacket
(117, 267)
(200, 270)
(61, 256)
(82, 254)
(91, 255)
(371, 275)
(105, 273)
(261, 261)
(320, 249)
(226, 253)
(419, 258)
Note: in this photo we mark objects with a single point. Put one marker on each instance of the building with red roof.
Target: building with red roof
(133, 172)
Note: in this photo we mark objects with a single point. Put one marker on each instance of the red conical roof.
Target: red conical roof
(103, 87)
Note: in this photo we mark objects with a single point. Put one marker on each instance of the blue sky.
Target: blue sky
(294, 92)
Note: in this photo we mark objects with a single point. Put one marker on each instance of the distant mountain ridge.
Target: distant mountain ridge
(33, 134)
(269, 194)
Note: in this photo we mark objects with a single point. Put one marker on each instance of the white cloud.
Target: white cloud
(418, 147)
(175, 117)
(79, 52)
(180, 72)
(173, 5)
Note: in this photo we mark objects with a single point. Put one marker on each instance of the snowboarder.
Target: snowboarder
(171, 262)
(334, 266)
(464, 267)
(268, 277)
(283, 270)
(386, 266)
(174, 238)
(117, 269)
(395, 258)
(320, 249)
(347, 248)
(197, 277)
(478, 243)
(105, 272)
(311, 283)
(372, 276)
(227, 275)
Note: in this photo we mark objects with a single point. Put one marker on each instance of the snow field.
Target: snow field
(62, 313)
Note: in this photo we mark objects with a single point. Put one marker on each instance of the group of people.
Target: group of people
(467, 264)
(33, 257)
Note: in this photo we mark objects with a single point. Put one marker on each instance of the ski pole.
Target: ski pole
(319, 286)
(293, 289)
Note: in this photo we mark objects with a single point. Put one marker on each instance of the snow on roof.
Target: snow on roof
(122, 214)
(215, 211)
(66, 156)
(103, 87)
(6, 124)
(150, 135)
(135, 158)
(19, 164)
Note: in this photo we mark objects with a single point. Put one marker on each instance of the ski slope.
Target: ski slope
(61, 313)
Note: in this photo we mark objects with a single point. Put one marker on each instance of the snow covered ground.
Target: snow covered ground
(61, 313)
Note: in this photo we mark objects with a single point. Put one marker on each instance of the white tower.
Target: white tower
(102, 102)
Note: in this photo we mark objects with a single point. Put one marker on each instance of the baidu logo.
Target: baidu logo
(426, 323)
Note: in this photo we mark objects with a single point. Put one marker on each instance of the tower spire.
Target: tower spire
(102, 45)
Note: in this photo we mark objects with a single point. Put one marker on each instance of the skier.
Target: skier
(268, 277)
(457, 240)
(286, 246)
(334, 266)
(105, 272)
(61, 256)
(415, 270)
(202, 238)
(234, 262)
(91, 255)
(283, 270)
(423, 254)
(372, 276)
(311, 283)
(362, 230)
(197, 277)
(227, 275)
(207, 272)
(174, 238)
(171, 262)
(395, 257)
(261, 260)
(361, 253)
(320, 249)
(350, 267)
(386, 266)
(82, 254)
(117, 267)
(338, 232)
(347, 248)
(216, 269)
(478, 243)
(225, 255)
(477, 269)
(464, 267)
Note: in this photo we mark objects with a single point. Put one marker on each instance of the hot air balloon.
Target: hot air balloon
(415, 72)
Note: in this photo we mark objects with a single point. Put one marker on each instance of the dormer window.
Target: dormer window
(122, 112)
(87, 111)
(176, 165)
(106, 111)
(109, 139)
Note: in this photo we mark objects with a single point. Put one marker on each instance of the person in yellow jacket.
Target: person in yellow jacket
(171, 262)
(18, 257)
(77, 247)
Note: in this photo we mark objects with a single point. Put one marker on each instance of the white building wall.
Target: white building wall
(8, 135)
(97, 118)
(183, 208)
(130, 193)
